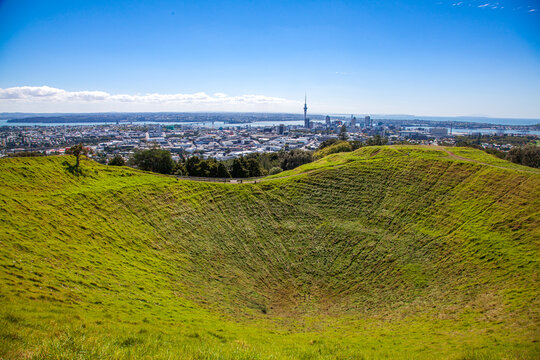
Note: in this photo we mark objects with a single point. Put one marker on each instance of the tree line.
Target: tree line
(341, 144)
(527, 153)
(251, 165)
(262, 164)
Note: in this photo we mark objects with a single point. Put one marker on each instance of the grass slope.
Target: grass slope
(386, 252)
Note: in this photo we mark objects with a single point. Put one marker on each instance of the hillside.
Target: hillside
(396, 252)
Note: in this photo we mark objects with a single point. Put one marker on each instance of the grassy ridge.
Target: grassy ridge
(404, 252)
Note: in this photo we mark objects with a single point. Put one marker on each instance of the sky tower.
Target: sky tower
(306, 120)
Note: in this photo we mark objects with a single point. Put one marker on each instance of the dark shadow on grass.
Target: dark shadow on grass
(72, 168)
(130, 341)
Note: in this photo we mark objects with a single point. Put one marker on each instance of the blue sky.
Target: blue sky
(441, 58)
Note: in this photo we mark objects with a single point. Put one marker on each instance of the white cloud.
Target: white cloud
(48, 93)
(33, 96)
(531, 7)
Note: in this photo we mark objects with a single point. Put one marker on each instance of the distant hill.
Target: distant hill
(387, 252)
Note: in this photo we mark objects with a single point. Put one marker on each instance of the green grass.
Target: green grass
(385, 252)
(486, 158)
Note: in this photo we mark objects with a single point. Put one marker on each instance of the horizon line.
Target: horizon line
(270, 112)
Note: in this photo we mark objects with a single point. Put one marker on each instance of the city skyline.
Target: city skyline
(444, 58)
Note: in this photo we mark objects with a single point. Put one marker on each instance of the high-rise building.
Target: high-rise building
(328, 122)
(281, 129)
(353, 121)
(439, 131)
(367, 121)
(306, 119)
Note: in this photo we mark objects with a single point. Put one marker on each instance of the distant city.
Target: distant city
(222, 135)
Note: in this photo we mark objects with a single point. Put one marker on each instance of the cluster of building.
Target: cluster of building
(184, 139)
(222, 141)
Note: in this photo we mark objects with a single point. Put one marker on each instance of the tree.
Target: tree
(222, 171)
(531, 156)
(515, 155)
(343, 136)
(327, 143)
(192, 166)
(498, 153)
(205, 168)
(117, 160)
(253, 168)
(238, 169)
(527, 155)
(340, 146)
(295, 158)
(275, 170)
(212, 167)
(154, 159)
(377, 140)
(77, 151)
(180, 169)
(355, 144)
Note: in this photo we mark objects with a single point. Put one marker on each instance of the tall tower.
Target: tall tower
(306, 120)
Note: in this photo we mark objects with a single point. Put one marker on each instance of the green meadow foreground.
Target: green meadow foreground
(386, 252)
